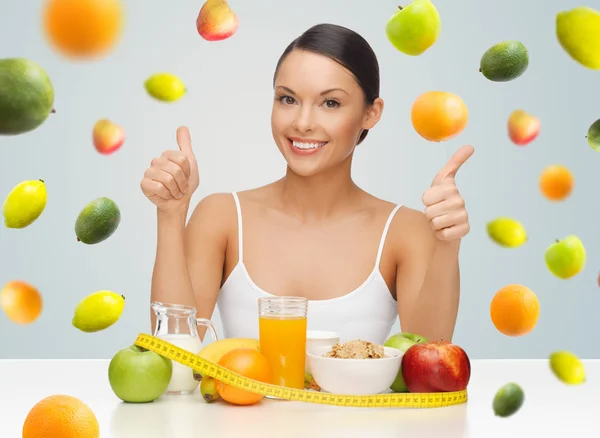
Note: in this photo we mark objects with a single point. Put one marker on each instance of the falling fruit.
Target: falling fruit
(27, 96)
(414, 28)
(508, 400)
(593, 135)
(567, 367)
(97, 221)
(439, 115)
(98, 311)
(504, 61)
(556, 182)
(578, 33)
(107, 136)
(515, 310)
(507, 232)
(523, 128)
(25, 204)
(165, 87)
(21, 302)
(566, 257)
(216, 21)
(83, 29)
(61, 416)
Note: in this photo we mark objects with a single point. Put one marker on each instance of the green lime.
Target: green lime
(567, 367)
(593, 135)
(508, 400)
(504, 61)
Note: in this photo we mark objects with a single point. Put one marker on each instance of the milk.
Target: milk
(182, 380)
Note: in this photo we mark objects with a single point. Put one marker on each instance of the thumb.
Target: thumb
(454, 164)
(185, 141)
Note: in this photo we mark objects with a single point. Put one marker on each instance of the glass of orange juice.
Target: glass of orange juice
(282, 336)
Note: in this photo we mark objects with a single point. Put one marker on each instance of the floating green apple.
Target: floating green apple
(403, 341)
(414, 28)
(566, 258)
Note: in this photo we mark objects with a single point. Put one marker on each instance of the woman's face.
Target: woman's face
(319, 112)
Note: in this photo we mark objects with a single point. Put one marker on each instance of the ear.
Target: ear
(373, 114)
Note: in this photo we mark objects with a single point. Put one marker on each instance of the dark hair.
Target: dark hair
(347, 48)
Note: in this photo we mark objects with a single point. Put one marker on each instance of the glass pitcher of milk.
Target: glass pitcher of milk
(178, 325)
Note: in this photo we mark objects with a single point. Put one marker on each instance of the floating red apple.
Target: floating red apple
(523, 128)
(438, 366)
(216, 21)
(108, 137)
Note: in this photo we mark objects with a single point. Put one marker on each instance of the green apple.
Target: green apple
(566, 258)
(137, 375)
(403, 341)
(414, 28)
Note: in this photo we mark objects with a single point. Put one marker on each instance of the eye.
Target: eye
(329, 103)
(288, 100)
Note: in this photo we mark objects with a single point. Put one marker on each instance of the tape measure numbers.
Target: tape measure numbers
(208, 368)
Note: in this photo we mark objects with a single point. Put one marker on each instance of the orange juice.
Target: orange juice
(283, 342)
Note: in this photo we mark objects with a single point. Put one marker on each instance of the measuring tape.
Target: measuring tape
(211, 369)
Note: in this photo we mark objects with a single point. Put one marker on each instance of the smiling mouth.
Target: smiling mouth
(306, 146)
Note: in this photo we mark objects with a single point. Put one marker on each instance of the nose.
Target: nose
(304, 121)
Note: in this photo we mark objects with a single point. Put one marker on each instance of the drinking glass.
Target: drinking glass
(282, 336)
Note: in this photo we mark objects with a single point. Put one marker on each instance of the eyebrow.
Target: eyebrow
(289, 90)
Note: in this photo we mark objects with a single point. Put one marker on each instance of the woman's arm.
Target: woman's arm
(189, 259)
(427, 280)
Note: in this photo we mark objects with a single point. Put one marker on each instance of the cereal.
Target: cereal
(356, 350)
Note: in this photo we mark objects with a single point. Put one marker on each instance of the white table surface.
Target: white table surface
(550, 406)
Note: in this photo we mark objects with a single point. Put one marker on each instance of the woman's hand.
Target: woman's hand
(444, 206)
(172, 178)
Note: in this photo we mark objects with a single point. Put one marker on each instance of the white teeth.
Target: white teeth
(308, 145)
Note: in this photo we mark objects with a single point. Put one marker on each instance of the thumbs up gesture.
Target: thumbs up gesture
(444, 206)
(172, 178)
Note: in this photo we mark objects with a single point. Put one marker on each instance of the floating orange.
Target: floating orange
(61, 416)
(249, 363)
(515, 310)
(83, 28)
(556, 182)
(21, 302)
(439, 115)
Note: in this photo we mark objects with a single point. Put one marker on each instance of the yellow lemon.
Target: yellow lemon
(567, 367)
(98, 311)
(165, 87)
(578, 32)
(24, 204)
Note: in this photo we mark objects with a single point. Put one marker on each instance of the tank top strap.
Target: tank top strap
(384, 234)
(240, 231)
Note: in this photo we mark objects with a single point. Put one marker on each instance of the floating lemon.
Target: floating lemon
(165, 87)
(567, 367)
(24, 204)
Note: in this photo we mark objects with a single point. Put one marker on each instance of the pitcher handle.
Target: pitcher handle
(209, 325)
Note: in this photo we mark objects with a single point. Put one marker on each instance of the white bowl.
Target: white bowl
(320, 338)
(354, 376)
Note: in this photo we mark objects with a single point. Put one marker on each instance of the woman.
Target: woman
(361, 261)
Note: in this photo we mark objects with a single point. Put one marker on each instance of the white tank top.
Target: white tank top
(367, 313)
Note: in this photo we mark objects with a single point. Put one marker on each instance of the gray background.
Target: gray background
(227, 110)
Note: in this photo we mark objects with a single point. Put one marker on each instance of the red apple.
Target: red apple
(523, 128)
(108, 137)
(438, 366)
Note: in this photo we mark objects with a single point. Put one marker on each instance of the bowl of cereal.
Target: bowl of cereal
(355, 367)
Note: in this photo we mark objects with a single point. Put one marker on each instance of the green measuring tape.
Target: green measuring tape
(208, 368)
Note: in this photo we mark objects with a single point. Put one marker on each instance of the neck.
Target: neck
(320, 196)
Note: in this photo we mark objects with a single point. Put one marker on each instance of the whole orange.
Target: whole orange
(515, 310)
(83, 28)
(61, 416)
(439, 115)
(556, 182)
(249, 363)
(21, 302)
